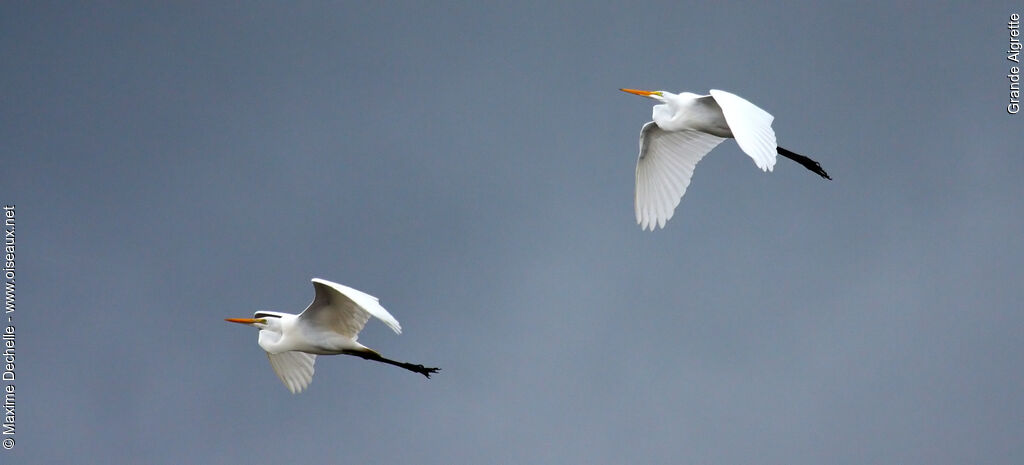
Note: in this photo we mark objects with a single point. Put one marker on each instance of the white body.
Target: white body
(686, 127)
(329, 326)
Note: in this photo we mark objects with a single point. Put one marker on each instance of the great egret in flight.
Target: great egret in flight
(686, 127)
(329, 326)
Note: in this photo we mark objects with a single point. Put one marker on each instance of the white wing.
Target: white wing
(664, 169)
(344, 310)
(751, 126)
(294, 368)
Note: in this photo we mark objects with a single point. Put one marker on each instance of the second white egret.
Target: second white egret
(686, 127)
(329, 326)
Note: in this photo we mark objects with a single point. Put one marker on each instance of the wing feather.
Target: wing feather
(664, 169)
(344, 310)
(295, 369)
(751, 126)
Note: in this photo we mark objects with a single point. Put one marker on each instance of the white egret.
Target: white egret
(686, 127)
(329, 326)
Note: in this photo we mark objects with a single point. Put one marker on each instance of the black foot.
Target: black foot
(812, 165)
(426, 371)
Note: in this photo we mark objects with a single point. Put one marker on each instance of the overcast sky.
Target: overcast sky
(472, 166)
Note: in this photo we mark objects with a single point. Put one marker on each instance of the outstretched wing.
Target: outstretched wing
(344, 310)
(663, 170)
(294, 368)
(751, 126)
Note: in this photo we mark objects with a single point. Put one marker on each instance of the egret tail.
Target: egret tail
(806, 162)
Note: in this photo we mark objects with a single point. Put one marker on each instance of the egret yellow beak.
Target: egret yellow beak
(642, 93)
(246, 321)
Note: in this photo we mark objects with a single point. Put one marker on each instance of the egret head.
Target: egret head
(261, 320)
(658, 95)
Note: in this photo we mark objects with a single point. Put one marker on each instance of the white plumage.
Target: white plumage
(330, 325)
(686, 127)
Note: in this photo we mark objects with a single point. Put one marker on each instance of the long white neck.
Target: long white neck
(270, 341)
(668, 112)
(274, 338)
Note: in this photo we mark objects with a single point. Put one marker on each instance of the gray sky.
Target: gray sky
(472, 166)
